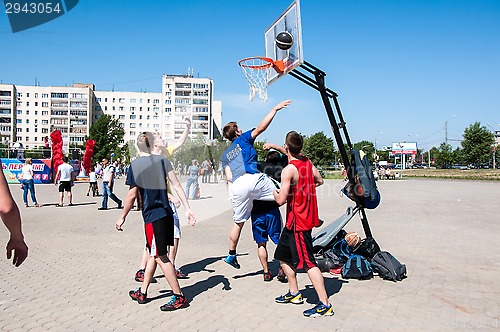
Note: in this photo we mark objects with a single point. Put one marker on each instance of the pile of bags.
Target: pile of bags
(356, 258)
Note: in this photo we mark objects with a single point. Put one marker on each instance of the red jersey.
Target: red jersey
(302, 205)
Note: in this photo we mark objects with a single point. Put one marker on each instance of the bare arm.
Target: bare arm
(229, 174)
(287, 180)
(184, 135)
(182, 195)
(268, 146)
(9, 212)
(129, 203)
(318, 179)
(268, 118)
(174, 200)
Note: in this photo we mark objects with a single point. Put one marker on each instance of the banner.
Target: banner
(12, 170)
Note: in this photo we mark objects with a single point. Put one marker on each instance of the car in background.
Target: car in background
(457, 166)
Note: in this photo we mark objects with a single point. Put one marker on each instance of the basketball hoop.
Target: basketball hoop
(257, 71)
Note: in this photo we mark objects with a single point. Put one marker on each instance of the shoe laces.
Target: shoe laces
(173, 299)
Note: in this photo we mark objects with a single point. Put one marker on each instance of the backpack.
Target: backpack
(365, 185)
(357, 267)
(388, 267)
(341, 250)
(367, 248)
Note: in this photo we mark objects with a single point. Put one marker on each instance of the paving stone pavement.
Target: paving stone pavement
(80, 269)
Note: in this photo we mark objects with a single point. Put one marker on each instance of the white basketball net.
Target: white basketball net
(257, 72)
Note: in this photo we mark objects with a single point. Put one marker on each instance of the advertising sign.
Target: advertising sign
(12, 170)
(404, 148)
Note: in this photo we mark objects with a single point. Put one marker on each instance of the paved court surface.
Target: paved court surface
(80, 269)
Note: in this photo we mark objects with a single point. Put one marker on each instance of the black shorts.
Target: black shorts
(296, 249)
(64, 186)
(159, 235)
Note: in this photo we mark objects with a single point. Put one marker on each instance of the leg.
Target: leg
(293, 285)
(70, 197)
(168, 270)
(318, 282)
(148, 274)
(32, 191)
(105, 192)
(262, 252)
(25, 192)
(234, 235)
(188, 185)
(172, 252)
(61, 198)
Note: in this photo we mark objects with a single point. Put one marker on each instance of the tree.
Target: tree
(107, 133)
(319, 149)
(444, 157)
(477, 144)
(367, 147)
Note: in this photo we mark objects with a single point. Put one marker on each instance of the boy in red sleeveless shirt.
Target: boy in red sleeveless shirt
(295, 249)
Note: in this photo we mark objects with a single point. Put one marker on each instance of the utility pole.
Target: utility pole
(446, 129)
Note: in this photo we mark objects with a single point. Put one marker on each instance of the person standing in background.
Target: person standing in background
(28, 182)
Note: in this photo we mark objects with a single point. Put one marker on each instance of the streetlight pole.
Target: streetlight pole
(446, 129)
(494, 147)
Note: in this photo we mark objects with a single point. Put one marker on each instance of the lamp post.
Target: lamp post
(446, 129)
(494, 146)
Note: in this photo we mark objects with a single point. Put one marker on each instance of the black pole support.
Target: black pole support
(317, 82)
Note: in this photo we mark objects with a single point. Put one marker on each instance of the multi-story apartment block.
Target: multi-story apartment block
(29, 113)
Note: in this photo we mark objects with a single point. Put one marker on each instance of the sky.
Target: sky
(402, 69)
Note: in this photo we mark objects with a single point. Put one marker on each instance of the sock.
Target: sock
(232, 252)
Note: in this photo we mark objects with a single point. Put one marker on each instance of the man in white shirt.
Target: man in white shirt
(108, 180)
(66, 176)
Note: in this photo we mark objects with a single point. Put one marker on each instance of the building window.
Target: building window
(132, 125)
(132, 100)
(45, 95)
(45, 112)
(132, 116)
(45, 104)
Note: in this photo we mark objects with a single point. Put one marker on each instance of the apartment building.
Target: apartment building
(29, 113)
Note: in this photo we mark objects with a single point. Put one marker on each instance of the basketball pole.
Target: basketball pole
(318, 83)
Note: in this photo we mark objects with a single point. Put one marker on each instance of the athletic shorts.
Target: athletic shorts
(64, 186)
(245, 190)
(177, 225)
(296, 249)
(159, 235)
(267, 225)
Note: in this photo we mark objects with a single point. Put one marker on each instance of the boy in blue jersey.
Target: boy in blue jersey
(248, 184)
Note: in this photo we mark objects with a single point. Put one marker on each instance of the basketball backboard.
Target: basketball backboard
(293, 57)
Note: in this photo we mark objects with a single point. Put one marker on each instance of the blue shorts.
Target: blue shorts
(267, 225)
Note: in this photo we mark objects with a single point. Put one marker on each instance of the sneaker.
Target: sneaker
(138, 296)
(319, 310)
(268, 276)
(281, 276)
(176, 302)
(139, 275)
(290, 298)
(120, 206)
(231, 260)
(180, 274)
(337, 270)
(102, 208)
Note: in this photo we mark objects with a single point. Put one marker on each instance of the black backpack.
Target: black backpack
(388, 267)
(367, 248)
(357, 267)
(365, 186)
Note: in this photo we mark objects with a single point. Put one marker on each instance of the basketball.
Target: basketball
(284, 40)
(352, 239)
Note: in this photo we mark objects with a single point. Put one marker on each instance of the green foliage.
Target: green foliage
(367, 148)
(107, 133)
(319, 149)
(261, 153)
(444, 156)
(477, 144)
(198, 149)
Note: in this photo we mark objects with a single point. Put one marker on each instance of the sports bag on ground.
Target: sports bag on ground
(367, 248)
(357, 267)
(388, 267)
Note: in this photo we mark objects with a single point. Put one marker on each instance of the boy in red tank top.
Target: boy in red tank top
(295, 249)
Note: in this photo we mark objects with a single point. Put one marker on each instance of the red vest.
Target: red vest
(302, 205)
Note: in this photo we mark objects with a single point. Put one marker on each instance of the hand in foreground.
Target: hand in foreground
(187, 121)
(119, 223)
(20, 251)
(190, 217)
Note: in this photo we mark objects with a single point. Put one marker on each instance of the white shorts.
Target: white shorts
(248, 188)
(177, 226)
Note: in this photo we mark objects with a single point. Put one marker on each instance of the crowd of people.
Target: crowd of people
(256, 194)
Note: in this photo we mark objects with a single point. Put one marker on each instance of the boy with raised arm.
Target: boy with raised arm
(248, 184)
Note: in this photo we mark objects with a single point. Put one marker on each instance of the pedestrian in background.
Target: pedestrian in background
(28, 182)
(192, 180)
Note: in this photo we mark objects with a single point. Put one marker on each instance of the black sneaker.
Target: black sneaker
(102, 208)
(176, 302)
(138, 296)
(268, 276)
(281, 275)
(139, 275)
(180, 275)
